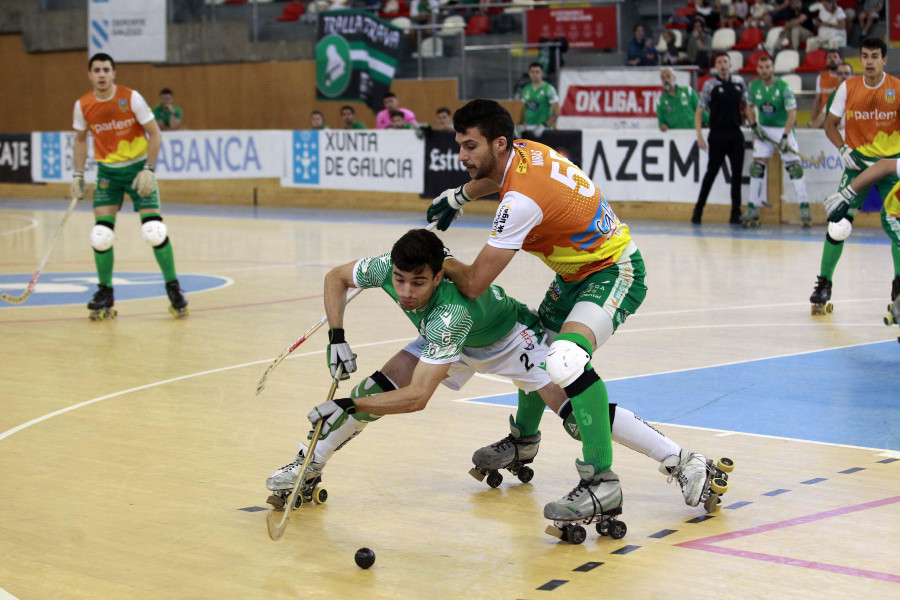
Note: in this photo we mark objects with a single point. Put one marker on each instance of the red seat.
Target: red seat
(813, 62)
(477, 25)
(750, 38)
(752, 60)
(292, 11)
(701, 80)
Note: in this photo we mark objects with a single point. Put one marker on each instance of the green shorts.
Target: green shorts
(891, 226)
(114, 183)
(618, 289)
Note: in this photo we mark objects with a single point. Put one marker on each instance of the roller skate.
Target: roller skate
(701, 480)
(893, 315)
(821, 296)
(281, 483)
(596, 499)
(179, 304)
(101, 305)
(750, 218)
(805, 216)
(511, 453)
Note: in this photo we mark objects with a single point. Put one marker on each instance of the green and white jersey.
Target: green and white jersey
(772, 102)
(450, 320)
(537, 101)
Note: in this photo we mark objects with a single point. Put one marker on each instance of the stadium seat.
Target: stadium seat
(516, 6)
(750, 38)
(292, 11)
(813, 62)
(452, 25)
(750, 64)
(392, 9)
(661, 45)
(723, 39)
(772, 37)
(478, 25)
(793, 80)
(786, 61)
(701, 80)
(431, 47)
(403, 23)
(737, 60)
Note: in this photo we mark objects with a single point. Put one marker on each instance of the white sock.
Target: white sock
(800, 188)
(757, 185)
(348, 430)
(637, 434)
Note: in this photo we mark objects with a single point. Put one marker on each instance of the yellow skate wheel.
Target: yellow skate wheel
(726, 465)
(320, 495)
(718, 486)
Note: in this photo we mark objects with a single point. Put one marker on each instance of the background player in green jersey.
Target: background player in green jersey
(458, 337)
(775, 108)
(540, 103)
(677, 104)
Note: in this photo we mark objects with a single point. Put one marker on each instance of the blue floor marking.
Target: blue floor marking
(843, 396)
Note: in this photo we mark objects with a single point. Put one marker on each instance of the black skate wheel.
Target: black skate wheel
(726, 465)
(320, 495)
(576, 534)
(494, 479)
(526, 474)
(617, 529)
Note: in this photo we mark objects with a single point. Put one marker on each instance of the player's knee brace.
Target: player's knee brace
(154, 231)
(840, 231)
(757, 169)
(795, 170)
(568, 418)
(566, 362)
(102, 236)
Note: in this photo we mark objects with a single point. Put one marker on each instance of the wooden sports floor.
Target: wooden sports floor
(134, 452)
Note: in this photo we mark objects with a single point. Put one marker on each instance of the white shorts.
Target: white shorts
(520, 356)
(763, 149)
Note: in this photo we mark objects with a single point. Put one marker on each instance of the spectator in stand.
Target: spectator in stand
(827, 81)
(677, 104)
(698, 45)
(832, 22)
(671, 54)
(398, 120)
(708, 10)
(844, 72)
(444, 119)
(733, 14)
(383, 118)
(168, 116)
(348, 118)
(641, 52)
(317, 120)
(777, 12)
(850, 7)
(424, 12)
(868, 16)
(799, 27)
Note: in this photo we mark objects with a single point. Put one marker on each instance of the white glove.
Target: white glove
(338, 353)
(446, 208)
(848, 160)
(785, 145)
(758, 132)
(539, 130)
(335, 412)
(837, 204)
(145, 182)
(77, 189)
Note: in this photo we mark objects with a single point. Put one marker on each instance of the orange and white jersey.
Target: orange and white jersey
(116, 124)
(550, 208)
(872, 118)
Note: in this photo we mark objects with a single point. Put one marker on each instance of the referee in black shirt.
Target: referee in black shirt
(725, 97)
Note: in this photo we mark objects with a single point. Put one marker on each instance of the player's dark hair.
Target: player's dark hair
(489, 116)
(763, 57)
(166, 91)
(348, 107)
(100, 57)
(536, 64)
(716, 55)
(418, 249)
(874, 43)
(443, 109)
(389, 95)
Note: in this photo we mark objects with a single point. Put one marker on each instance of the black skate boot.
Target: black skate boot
(101, 305)
(179, 307)
(893, 309)
(821, 296)
(512, 453)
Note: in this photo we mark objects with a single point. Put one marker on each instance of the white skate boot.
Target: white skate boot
(690, 470)
(511, 453)
(282, 481)
(596, 499)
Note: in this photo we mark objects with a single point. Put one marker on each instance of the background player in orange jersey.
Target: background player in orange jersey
(551, 209)
(872, 131)
(126, 146)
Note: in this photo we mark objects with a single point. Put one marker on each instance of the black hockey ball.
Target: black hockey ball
(364, 558)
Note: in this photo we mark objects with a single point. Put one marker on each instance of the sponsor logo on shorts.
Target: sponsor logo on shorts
(104, 183)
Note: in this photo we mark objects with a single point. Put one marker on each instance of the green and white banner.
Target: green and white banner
(356, 57)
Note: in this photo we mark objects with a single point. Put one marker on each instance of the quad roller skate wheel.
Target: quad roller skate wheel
(613, 528)
(822, 309)
(179, 313)
(494, 478)
(575, 534)
(718, 486)
(726, 465)
(525, 474)
(103, 315)
(320, 495)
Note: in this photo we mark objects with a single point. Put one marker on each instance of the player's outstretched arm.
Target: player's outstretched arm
(473, 280)
(337, 282)
(873, 174)
(414, 397)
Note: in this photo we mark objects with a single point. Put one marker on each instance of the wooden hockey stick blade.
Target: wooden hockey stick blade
(276, 524)
(30, 288)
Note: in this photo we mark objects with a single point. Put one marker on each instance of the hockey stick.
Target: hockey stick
(812, 161)
(262, 380)
(27, 293)
(277, 524)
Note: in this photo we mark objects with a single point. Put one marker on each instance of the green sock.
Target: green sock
(895, 254)
(104, 260)
(531, 410)
(591, 410)
(830, 256)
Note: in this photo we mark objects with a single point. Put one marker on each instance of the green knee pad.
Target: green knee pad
(530, 412)
(376, 383)
(757, 169)
(795, 170)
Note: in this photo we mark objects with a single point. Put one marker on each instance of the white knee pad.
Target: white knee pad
(566, 362)
(154, 232)
(840, 231)
(102, 238)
